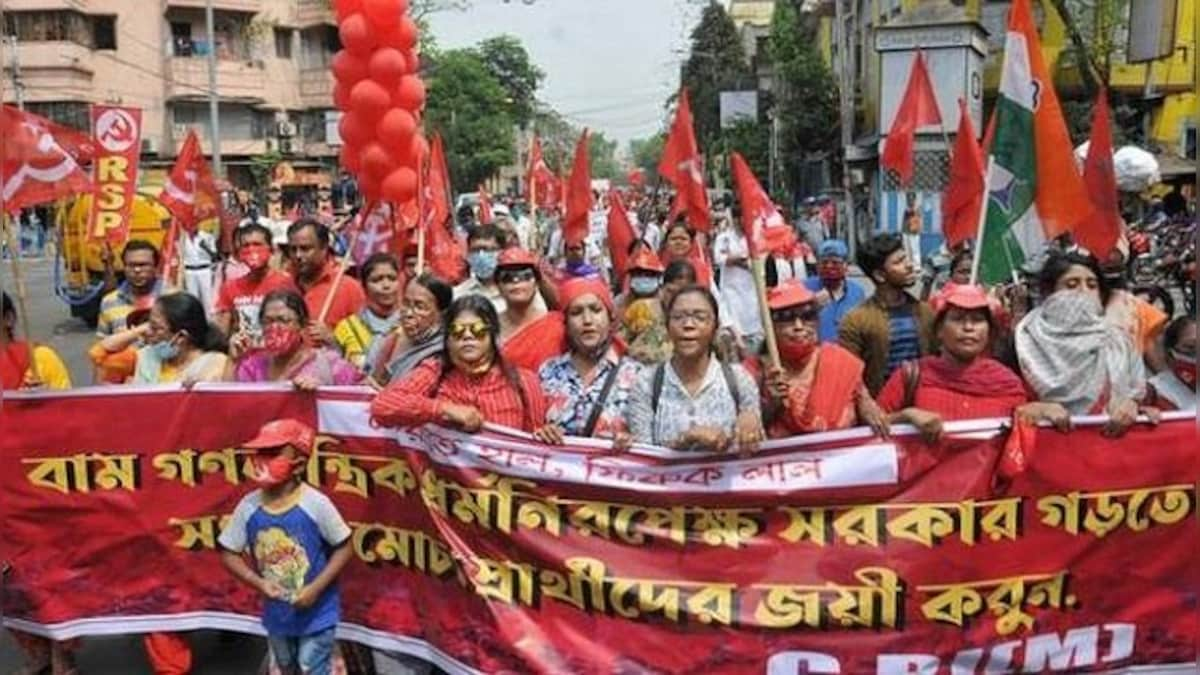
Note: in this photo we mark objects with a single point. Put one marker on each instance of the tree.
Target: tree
(753, 140)
(716, 63)
(603, 155)
(467, 105)
(645, 153)
(558, 139)
(805, 98)
(509, 63)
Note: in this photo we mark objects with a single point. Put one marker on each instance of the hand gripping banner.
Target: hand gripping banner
(833, 553)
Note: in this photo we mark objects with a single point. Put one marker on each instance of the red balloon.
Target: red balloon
(406, 33)
(356, 35)
(414, 62)
(349, 68)
(354, 129)
(341, 95)
(376, 161)
(387, 66)
(395, 130)
(350, 158)
(369, 187)
(418, 147)
(399, 186)
(384, 14)
(370, 99)
(345, 8)
(410, 93)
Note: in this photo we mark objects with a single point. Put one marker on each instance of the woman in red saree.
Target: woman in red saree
(819, 387)
(529, 334)
(963, 382)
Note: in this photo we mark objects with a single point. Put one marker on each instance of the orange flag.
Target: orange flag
(1100, 233)
(620, 233)
(963, 199)
(918, 108)
(766, 230)
(683, 167)
(576, 224)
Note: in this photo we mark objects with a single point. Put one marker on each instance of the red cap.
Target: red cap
(963, 296)
(789, 294)
(283, 432)
(516, 257)
(645, 259)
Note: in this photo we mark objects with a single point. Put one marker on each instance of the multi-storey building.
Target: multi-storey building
(273, 76)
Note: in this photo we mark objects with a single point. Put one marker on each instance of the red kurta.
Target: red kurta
(418, 398)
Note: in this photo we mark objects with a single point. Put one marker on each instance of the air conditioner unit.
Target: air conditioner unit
(286, 129)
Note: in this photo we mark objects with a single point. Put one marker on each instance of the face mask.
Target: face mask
(280, 339)
(272, 472)
(165, 350)
(796, 352)
(255, 256)
(643, 286)
(1184, 368)
(483, 264)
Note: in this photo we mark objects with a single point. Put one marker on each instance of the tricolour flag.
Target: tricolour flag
(1034, 191)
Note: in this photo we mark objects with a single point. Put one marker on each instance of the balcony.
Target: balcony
(313, 13)
(246, 6)
(316, 88)
(60, 68)
(236, 80)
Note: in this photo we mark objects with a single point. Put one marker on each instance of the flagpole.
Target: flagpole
(345, 263)
(764, 311)
(987, 177)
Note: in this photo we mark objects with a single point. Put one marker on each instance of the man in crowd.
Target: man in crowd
(314, 270)
(138, 291)
(844, 295)
(812, 226)
(483, 254)
(891, 327)
(199, 253)
(239, 300)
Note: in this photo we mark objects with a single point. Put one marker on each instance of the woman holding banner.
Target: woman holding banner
(180, 345)
(694, 401)
(284, 355)
(818, 387)
(419, 336)
(470, 385)
(587, 389)
(360, 334)
(964, 381)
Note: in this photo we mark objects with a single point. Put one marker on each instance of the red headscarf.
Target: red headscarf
(578, 287)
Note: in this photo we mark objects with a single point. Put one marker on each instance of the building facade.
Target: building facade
(273, 75)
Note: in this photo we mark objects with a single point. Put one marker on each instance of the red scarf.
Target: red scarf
(14, 363)
(984, 377)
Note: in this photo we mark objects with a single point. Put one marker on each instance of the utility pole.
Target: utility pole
(14, 64)
(214, 111)
(842, 37)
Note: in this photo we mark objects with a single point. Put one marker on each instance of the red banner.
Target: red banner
(835, 553)
(118, 133)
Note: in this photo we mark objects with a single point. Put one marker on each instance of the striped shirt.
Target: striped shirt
(118, 304)
(418, 398)
(905, 345)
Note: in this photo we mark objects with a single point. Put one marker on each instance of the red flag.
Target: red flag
(1100, 233)
(620, 233)
(766, 230)
(704, 270)
(918, 108)
(682, 166)
(962, 201)
(442, 251)
(40, 160)
(190, 193)
(579, 195)
(485, 207)
(637, 179)
(376, 230)
(539, 179)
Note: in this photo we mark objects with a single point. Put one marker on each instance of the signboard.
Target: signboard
(118, 133)
(738, 105)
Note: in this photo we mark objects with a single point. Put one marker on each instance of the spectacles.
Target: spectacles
(786, 316)
(514, 276)
(477, 329)
(696, 315)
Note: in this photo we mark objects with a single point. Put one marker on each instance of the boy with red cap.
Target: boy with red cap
(299, 543)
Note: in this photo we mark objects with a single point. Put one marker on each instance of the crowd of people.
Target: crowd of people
(670, 351)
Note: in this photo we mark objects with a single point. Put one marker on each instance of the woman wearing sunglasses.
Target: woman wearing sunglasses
(529, 334)
(471, 384)
(694, 401)
(819, 387)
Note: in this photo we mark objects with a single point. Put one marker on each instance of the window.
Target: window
(181, 39)
(104, 32)
(283, 43)
(68, 113)
(50, 26)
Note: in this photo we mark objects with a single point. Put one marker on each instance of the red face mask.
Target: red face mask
(280, 339)
(271, 472)
(796, 352)
(1185, 369)
(255, 256)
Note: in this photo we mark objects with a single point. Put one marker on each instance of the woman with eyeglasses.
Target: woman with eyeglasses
(284, 354)
(419, 336)
(818, 387)
(529, 333)
(694, 401)
(471, 384)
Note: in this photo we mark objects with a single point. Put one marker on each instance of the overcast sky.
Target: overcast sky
(609, 64)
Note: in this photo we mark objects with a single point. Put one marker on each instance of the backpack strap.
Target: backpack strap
(656, 386)
(598, 408)
(731, 382)
(912, 379)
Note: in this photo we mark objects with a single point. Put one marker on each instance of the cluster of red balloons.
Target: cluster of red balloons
(380, 95)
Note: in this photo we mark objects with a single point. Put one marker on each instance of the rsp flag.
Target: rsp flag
(833, 553)
(118, 133)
